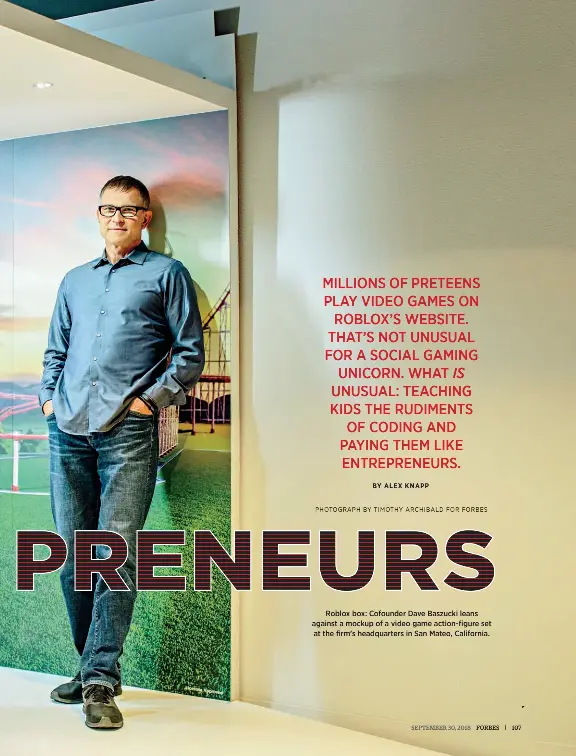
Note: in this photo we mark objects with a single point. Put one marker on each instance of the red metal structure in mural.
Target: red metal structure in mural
(211, 395)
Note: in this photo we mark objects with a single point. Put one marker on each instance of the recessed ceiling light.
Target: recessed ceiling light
(43, 84)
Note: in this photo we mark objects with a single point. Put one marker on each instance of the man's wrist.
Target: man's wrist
(148, 402)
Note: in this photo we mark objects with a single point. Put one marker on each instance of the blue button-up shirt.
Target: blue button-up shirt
(111, 333)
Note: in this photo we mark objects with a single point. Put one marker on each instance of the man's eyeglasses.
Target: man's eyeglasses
(127, 211)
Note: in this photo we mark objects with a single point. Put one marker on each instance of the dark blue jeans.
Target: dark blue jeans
(103, 481)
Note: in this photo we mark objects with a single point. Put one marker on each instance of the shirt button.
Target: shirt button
(107, 289)
(98, 334)
(101, 312)
(93, 383)
(94, 358)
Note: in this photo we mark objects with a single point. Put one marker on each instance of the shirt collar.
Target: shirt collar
(138, 255)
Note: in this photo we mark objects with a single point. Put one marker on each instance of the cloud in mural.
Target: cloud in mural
(25, 202)
(184, 191)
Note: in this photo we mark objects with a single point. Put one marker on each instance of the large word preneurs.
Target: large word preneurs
(238, 569)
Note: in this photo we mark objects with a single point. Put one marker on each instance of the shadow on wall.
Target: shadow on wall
(471, 163)
(209, 201)
(203, 201)
(253, 473)
(273, 488)
(158, 231)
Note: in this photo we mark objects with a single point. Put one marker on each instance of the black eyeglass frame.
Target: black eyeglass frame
(123, 207)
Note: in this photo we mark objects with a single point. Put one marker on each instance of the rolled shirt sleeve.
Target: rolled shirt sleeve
(187, 353)
(57, 349)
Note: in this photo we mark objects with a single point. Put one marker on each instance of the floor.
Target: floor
(30, 723)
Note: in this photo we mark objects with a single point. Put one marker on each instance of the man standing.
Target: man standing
(106, 376)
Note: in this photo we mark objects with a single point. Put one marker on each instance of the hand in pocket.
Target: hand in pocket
(140, 407)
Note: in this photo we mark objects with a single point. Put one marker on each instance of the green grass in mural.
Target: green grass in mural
(179, 641)
(33, 473)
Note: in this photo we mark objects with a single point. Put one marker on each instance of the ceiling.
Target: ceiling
(95, 83)
(300, 41)
(67, 8)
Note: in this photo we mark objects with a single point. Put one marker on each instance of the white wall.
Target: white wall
(469, 175)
